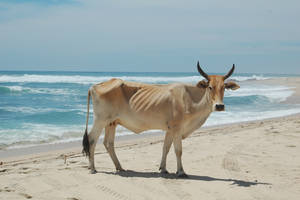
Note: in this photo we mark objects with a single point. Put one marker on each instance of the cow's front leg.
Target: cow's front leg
(177, 142)
(167, 144)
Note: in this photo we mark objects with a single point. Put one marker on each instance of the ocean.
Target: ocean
(50, 107)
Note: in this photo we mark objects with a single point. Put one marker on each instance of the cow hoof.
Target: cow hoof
(93, 171)
(181, 175)
(120, 170)
(164, 171)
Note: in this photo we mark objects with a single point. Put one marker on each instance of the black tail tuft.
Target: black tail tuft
(86, 144)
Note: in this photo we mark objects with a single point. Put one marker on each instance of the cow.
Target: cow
(178, 109)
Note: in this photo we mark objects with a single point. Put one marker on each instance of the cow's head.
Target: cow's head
(215, 85)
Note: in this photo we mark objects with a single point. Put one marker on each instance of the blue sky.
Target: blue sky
(157, 35)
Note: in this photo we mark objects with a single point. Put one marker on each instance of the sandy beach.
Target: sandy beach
(250, 160)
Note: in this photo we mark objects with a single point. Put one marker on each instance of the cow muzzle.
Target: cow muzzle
(219, 107)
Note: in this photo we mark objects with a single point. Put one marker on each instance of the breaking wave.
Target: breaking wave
(79, 79)
(21, 89)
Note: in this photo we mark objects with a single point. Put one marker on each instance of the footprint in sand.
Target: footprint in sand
(6, 189)
(27, 196)
(231, 164)
(3, 170)
(112, 193)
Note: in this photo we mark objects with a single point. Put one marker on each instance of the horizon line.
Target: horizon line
(141, 72)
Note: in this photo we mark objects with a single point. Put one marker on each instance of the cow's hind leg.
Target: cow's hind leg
(93, 139)
(177, 142)
(109, 142)
(167, 144)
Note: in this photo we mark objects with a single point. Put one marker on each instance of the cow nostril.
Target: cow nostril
(220, 107)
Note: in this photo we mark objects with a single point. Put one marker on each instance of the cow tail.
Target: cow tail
(85, 141)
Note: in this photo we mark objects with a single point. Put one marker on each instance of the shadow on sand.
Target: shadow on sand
(130, 173)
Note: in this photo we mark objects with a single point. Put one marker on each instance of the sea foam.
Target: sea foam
(79, 79)
(275, 93)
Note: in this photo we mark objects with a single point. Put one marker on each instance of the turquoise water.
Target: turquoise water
(47, 107)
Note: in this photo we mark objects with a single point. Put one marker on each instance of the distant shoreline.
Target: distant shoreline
(293, 82)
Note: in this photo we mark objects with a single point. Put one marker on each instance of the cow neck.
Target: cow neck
(201, 100)
(204, 104)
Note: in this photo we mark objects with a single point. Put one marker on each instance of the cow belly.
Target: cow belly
(138, 124)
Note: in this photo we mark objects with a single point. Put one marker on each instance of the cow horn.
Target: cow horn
(229, 73)
(202, 72)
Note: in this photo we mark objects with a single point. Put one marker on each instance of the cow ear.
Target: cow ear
(231, 85)
(202, 84)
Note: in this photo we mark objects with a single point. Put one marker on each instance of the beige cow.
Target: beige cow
(178, 108)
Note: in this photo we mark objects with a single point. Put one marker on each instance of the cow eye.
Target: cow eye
(210, 87)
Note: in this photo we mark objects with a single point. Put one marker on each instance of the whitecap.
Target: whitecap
(275, 93)
(79, 79)
(249, 78)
